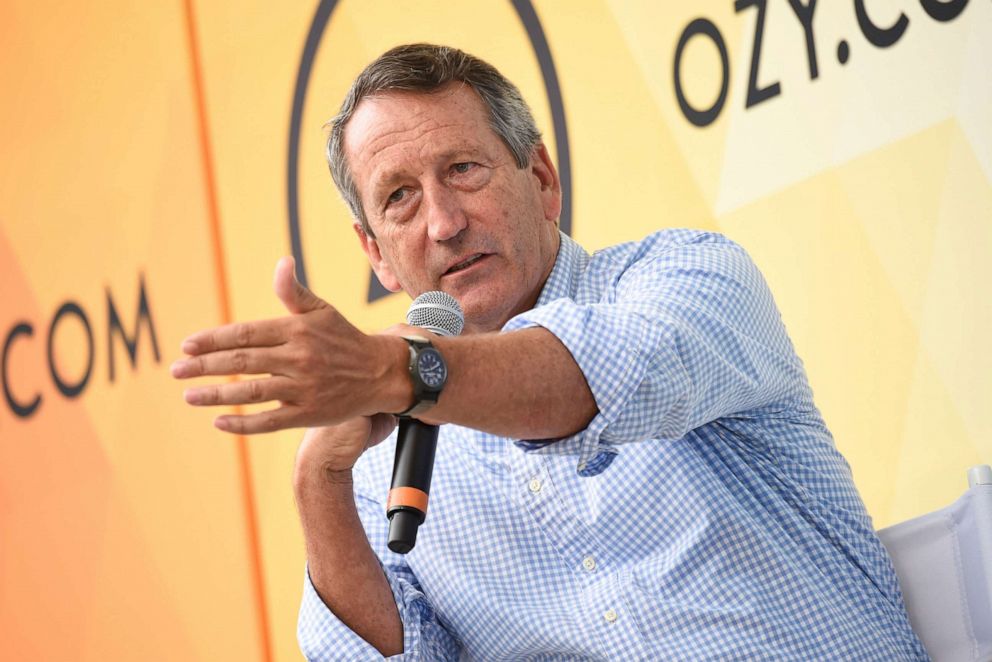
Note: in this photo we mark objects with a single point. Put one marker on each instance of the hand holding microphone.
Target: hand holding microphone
(301, 359)
(416, 441)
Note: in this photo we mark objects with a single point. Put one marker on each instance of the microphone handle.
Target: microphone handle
(407, 505)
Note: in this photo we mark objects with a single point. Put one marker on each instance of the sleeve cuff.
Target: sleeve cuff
(324, 638)
(613, 376)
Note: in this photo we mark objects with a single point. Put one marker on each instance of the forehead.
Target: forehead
(401, 125)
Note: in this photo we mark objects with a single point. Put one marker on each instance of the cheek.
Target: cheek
(510, 211)
(400, 256)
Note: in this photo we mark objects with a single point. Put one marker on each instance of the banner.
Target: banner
(160, 158)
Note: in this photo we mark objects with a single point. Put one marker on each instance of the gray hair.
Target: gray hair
(427, 68)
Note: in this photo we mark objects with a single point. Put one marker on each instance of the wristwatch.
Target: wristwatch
(428, 372)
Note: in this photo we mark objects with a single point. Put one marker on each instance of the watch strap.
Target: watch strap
(423, 399)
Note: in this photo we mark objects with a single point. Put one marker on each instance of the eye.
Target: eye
(400, 205)
(462, 168)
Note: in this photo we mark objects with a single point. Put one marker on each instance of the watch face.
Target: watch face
(431, 368)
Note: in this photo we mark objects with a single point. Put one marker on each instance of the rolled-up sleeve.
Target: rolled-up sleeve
(684, 334)
(324, 637)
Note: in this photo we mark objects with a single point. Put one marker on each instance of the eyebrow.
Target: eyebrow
(386, 184)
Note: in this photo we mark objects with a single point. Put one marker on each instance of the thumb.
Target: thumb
(293, 295)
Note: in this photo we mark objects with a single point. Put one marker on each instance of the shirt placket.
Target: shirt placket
(601, 609)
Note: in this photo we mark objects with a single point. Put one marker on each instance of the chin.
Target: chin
(488, 308)
(480, 318)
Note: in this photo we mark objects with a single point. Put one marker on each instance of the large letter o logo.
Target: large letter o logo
(706, 117)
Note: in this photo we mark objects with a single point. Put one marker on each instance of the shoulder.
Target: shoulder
(673, 248)
(661, 243)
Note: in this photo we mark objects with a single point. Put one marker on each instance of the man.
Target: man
(632, 467)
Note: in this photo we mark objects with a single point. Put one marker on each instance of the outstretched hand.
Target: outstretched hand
(320, 369)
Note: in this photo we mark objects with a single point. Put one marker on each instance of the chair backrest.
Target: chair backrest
(944, 563)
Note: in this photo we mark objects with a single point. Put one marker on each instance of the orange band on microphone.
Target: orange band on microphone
(407, 496)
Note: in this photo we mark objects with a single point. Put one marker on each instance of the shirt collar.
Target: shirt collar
(564, 278)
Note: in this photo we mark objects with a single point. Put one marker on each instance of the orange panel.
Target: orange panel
(123, 525)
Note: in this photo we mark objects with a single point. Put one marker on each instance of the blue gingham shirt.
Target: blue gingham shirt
(704, 513)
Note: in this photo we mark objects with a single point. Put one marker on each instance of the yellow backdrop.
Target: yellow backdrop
(158, 157)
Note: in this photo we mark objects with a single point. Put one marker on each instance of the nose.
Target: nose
(445, 216)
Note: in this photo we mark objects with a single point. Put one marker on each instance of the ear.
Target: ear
(543, 168)
(378, 262)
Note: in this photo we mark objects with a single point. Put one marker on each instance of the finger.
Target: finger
(381, 426)
(245, 361)
(260, 333)
(294, 295)
(281, 418)
(241, 393)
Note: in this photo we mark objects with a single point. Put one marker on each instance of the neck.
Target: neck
(489, 326)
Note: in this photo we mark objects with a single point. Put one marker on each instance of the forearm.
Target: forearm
(523, 384)
(343, 568)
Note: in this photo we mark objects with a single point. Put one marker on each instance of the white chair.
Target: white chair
(944, 563)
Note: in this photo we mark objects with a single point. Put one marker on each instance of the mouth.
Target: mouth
(466, 263)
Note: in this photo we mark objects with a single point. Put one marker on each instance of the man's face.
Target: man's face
(449, 207)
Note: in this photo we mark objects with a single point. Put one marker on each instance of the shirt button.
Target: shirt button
(610, 616)
(589, 563)
(534, 485)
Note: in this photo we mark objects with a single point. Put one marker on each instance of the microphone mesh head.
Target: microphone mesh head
(438, 312)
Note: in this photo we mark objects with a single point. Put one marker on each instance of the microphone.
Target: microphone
(416, 441)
